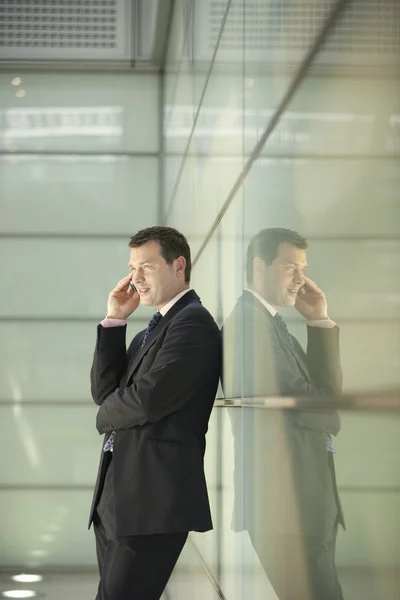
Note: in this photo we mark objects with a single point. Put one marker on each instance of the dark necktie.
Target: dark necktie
(283, 328)
(155, 319)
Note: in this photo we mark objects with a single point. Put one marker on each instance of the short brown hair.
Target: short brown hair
(172, 245)
(265, 245)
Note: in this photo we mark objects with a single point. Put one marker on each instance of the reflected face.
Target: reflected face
(283, 278)
(156, 281)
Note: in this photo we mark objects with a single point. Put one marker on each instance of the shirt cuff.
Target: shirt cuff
(113, 322)
(324, 324)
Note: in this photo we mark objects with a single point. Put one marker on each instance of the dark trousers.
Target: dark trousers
(134, 567)
(299, 567)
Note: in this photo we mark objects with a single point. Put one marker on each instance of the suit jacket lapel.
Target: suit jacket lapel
(189, 297)
(297, 355)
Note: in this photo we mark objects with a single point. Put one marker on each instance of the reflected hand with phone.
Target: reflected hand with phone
(123, 300)
(311, 301)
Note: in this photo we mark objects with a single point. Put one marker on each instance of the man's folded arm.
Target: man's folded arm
(187, 357)
(109, 362)
(324, 420)
(276, 377)
(323, 358)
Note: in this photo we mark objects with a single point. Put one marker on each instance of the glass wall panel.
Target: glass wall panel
(36, 355)
(44, 439)
(73, 194)
(79, 174)
(46, 527)
(296, 190)
(328, 170)
(195, 29)
(213, 160)
(217, 275)
(62, 112)
(368, 552)
(79, 272)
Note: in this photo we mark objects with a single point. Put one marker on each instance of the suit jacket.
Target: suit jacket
(284, 476)
(158, 399)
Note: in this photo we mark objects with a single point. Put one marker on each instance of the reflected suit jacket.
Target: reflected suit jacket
(284, 476)
(158, 399)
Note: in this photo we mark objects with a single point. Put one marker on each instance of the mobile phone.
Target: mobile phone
(132, 286)
(302, 290)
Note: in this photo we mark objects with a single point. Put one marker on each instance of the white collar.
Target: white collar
(267, 305)
(170, 304)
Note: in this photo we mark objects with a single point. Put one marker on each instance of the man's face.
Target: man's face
(156, 281)
(283, 278)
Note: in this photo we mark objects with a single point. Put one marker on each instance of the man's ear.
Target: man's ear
(180, 266)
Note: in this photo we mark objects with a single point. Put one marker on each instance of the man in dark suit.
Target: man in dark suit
(285, 486)
(155, 401)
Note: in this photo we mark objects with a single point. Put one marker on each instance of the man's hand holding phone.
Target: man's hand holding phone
(311, 302)
(123, 300)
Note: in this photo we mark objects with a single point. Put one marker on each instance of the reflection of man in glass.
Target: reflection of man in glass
(286, 495)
